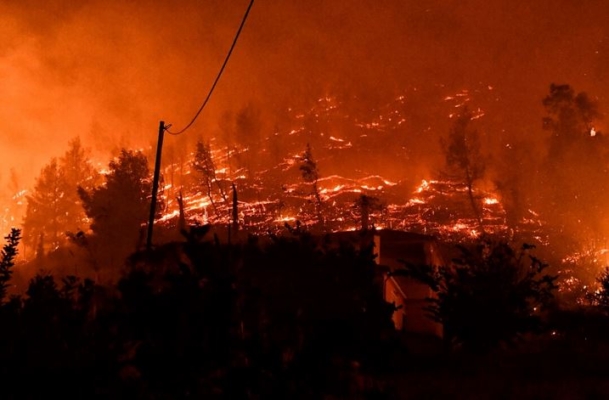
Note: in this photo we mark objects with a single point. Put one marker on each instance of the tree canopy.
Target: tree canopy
(488, 295)
(575, 169)
(464, 162)
(54, 206)
(204, 164)
(120, 206)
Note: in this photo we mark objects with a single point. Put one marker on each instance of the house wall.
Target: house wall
(408, 294)
(391, 248)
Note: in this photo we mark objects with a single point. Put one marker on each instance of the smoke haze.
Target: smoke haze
(109, 71)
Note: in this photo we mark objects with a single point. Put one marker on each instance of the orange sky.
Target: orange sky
(123, 66)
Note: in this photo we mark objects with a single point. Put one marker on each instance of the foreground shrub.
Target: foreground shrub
(490, 294)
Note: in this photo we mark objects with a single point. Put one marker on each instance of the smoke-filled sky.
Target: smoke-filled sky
(110, 70)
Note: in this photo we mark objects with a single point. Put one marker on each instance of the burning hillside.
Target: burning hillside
(335, 165)
(349, 150)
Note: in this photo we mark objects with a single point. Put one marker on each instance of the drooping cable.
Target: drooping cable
(213, 86)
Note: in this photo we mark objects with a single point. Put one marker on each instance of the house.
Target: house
(392, 249)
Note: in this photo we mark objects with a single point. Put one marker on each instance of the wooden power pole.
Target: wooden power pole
(155, 184)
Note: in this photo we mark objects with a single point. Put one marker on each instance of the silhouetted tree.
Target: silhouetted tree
(310, 174)
(575, 174)
(182, 214)
(570, 117)
(602, 295)
(463, 161)
(46, 206)
(54, 206)
(7, 262)
(235, 210)
(119, 207)
(204, 164)
(367, 204)
(489, 295)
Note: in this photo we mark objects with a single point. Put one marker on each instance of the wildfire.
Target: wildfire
(271, 196)
(423, 186)
(434, 207)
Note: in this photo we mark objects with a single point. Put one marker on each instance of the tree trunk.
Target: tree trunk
(470, 192)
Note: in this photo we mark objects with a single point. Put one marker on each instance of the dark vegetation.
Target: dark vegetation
(294, 318)
(489, 295)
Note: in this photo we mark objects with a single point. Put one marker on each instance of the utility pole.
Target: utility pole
(155, 184)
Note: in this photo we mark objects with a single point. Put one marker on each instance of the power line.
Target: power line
(165, 128)
(219, 74)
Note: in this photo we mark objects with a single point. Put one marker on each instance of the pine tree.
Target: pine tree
(464, 162)
(7, 262)
(54, 207)
(204, 164)
(46, 207)
(367, 204)
(310, 174)
(77, 172)
(119, 208)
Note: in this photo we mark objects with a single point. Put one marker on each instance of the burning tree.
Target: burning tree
(464, 163)
(310, 174)
(204, 164)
